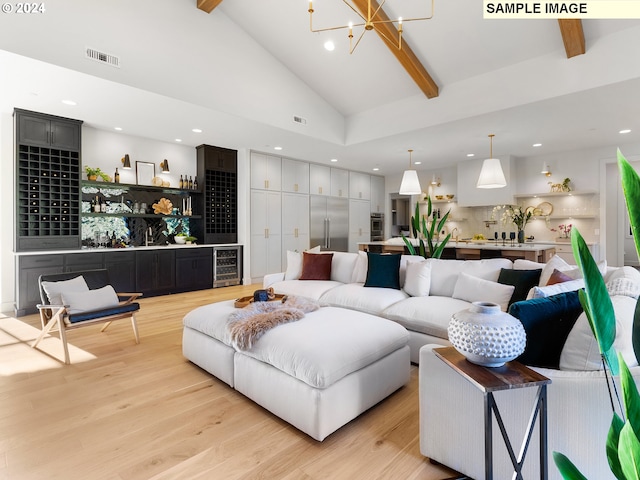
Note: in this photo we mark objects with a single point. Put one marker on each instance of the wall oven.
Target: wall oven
(377, 227)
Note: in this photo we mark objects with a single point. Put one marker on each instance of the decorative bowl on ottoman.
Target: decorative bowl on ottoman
(487, 336)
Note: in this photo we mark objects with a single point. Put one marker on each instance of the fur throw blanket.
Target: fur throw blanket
(248, 324)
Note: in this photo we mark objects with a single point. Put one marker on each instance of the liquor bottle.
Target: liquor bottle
(103, 206)
(190, 183)
(96, 206)
(116, 176)
(93, 205)
(195, 183)
(181, 183)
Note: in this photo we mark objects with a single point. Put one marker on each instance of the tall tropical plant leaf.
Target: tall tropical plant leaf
(613, 441)
(596, 301)
(629, 452)
(567, 469)
(630, 396)
(631, 189)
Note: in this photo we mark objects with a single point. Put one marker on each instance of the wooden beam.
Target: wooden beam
(405, 55)
(573, 37)
(208, 5)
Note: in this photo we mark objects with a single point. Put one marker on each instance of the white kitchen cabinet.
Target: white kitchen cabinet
(339, 183)
(377, 194)
(295, 176)
(266, 236)
(359, 223)
(359, 186)
(319, 180)
(266, 171)
(295, 224)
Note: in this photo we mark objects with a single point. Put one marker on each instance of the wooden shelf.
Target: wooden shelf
(556, 194)
(139, 188)
(136, 215)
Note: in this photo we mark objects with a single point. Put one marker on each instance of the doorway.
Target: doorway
(400, 214)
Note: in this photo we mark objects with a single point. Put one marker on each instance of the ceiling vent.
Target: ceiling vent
(300, 120)
(102, 57)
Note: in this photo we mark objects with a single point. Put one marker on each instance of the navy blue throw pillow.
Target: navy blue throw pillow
(523, 280)
(383, 270)
(547, 322)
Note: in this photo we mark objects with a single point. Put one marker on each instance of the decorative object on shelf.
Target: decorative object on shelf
(186, 206)
(180, 238)
(156, 181)
(435, 182)
(410, 184)
(487, 336)
(439, 197)
(374, 18)
(126, 162)
(164, 165)
(491, 174)
(449, 196)
(565, 232)
(94, 173)
(164, 206)
(145, 172)
(546, 169)
(565, 186)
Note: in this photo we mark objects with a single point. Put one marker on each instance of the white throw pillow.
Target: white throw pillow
(294, 263)
(474, 289)
(97, 299)
(361, 268)
(556, 263)
(342, 266)
(418, 279)
(581, 352)
(54, 290)
(556, 288)
(522, 264)
(624, 281)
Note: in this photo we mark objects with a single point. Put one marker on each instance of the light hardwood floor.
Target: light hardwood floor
(127, 411)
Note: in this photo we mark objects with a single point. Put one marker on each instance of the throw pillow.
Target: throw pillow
(555, 263)
(316, 266)
(558, 277)
(383, 270)
(97, 299)
(522, 264)
(624, 281)
(54, 290)
(474, 289)
(418, 279)
(294, 263)
(360, 271)
(547, 322)
(540, 292)
(581, 350)
(522, 280)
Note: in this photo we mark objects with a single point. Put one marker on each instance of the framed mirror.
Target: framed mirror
(145, 171)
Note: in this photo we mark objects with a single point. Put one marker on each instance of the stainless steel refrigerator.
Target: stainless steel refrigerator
(329, 222)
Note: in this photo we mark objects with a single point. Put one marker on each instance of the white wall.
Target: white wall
(7, 163)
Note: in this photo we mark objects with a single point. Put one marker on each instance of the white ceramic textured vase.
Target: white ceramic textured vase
(486, 335)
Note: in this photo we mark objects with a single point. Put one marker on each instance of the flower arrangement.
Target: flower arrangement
(565, 229)
(515, 214)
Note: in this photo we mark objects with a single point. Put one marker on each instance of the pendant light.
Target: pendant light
(410, 184)
(491, 175)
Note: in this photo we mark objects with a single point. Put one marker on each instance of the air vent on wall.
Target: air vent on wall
(300, 120)
(102, 57)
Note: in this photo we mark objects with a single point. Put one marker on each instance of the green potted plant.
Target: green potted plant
(94, 173)
(191, 239)
(180, 238)
(622, 444)
(433, 248)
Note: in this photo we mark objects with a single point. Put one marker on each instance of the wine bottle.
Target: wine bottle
(93, 205)
(96, 206)
(190, 183)
(116, 176)
(181, 183)
(195, 183)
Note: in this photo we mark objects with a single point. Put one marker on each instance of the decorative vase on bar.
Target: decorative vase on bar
(521, 236)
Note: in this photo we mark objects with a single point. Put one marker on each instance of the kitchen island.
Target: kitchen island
(473, 250)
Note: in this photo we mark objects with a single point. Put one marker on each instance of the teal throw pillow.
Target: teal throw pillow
(383, 270)
(523, 280)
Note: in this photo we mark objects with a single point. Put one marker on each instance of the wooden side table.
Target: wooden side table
(510, 376)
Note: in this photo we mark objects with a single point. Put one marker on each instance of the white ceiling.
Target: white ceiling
(242, 72)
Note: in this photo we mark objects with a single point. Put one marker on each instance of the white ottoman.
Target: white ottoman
(317, 373)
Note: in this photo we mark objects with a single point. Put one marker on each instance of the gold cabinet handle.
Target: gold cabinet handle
(266, 233)
(295, 232)
(320, 190)
(360, 231)
(295, 187)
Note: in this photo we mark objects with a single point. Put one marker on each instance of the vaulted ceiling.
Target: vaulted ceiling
(244, 70)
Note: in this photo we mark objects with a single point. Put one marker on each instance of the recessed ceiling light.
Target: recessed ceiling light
(329, 46)
(471, 154)
(277, 148)
(334, 160)
(118, 128)
(375, 169)
(417, 163)
(178, 139)
(537, 145)
(196, 130)
(69, 102)
(625, 131)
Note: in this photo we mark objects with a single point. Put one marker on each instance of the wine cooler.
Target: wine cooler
(227, 266)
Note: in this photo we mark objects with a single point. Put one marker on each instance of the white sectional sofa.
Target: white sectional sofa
(430, 291)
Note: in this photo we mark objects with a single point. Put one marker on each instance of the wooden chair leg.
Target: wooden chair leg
(47, 328)
(135, 328)
(106, 325)
(63, 339)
